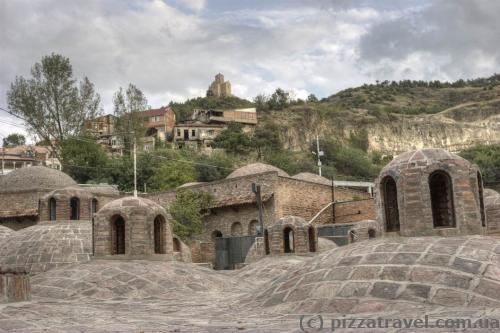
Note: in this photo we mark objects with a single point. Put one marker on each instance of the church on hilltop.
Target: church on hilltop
(219, 87)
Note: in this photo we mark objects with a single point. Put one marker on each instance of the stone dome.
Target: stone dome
(130, 202)
(488, 192)
(256, 168)
(425, 157)
(70, 191)
(35, 178)
(313, 178)
(47, 245)
(390, 274)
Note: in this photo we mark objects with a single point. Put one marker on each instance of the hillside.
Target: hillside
(398, 116)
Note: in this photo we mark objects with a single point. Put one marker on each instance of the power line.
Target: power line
(129, 150)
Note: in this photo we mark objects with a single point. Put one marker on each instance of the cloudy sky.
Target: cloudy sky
(171, 49)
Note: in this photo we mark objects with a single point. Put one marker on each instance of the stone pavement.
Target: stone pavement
(269, 295)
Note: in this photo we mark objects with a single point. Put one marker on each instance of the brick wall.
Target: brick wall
(14, 204)
(164, 199)
(354, 211)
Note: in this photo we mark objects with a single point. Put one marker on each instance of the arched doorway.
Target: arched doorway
(94, 206)
(266, 242)
(288, 240)
(216, 234)
(177, 244)
(481, 198)
(312, 239)
(117, 235)
(52, 209)
(390, 195)
(159, 235)
(252, 227)
(372, 233)
(74, 204)
(443, 211)
(236, 229)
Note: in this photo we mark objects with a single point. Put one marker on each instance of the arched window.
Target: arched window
(159, 234)
(390, 196)
(372, 233)
(94, 206)
(117, 235)
(288, 240)
(74, 204)
(236, 229)
(266, 242)
(177, 244)
(443, 211)
(216, 234)
(481, 198)
(52, 209)
(312, 239)
(252, 227)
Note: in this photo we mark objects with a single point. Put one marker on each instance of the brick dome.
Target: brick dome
(133, 227)
(47, 245)
(425, 157)
(430, 192)
(390, 273)
(35, 178)
(5, 232)
(256, 168)
(130, 202)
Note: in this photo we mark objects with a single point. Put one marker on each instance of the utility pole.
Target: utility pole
(319, 153)
(135, 168)
(256, 190)
(333, 201)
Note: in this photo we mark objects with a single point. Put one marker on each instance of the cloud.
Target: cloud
(196, 5)
(447, 39)
(171, 49)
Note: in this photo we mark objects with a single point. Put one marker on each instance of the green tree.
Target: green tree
(188, 211)
(51, 102)
(233, 140)
(127, 107)
(84, 160)
(13, 140)
(213, 167)
(487, 157)
(266, 139)
(171, 174)
(279, 100)
(312, 98)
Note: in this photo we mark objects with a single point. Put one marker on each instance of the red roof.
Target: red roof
(156, 112)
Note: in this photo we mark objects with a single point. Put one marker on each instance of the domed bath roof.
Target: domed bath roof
(35, 178)
(424, 157)
(47, 245)
(391, 273)
(256, 168)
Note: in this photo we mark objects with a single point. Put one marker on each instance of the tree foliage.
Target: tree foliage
(127, 107)
(488, 160)
(188, 211)
(84, 160)
(13, 140)
(51, 102)
(233, 140)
